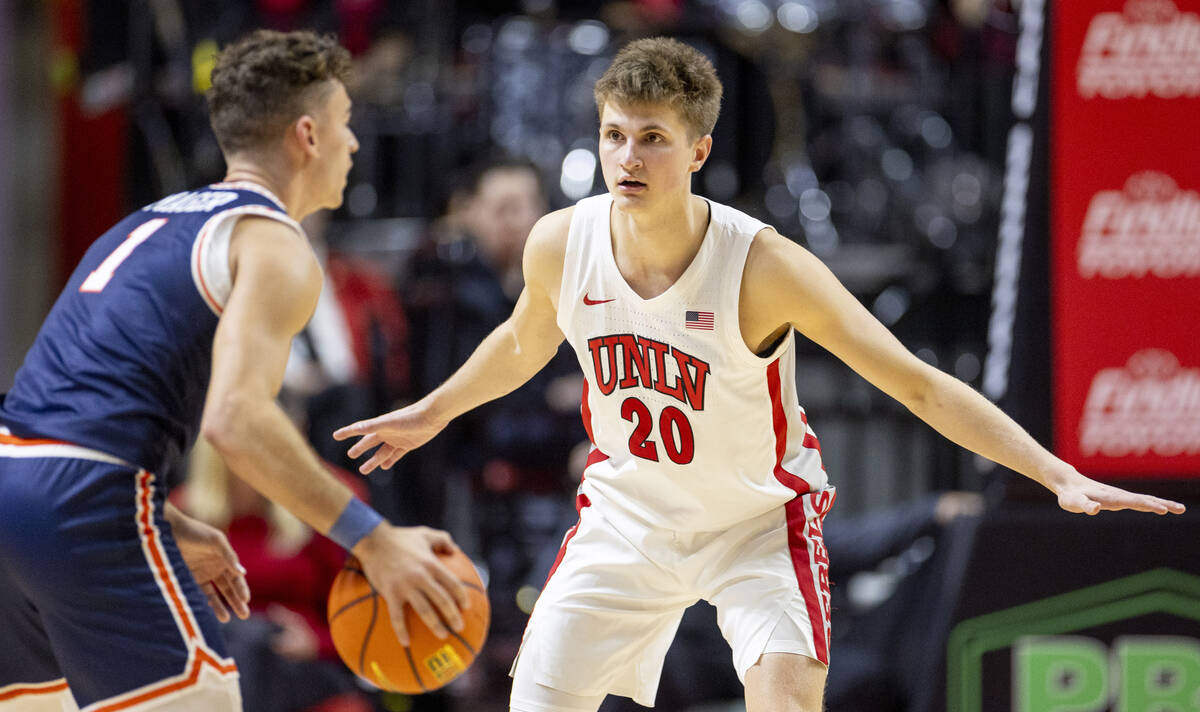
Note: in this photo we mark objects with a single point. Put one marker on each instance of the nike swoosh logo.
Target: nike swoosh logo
(593, 302)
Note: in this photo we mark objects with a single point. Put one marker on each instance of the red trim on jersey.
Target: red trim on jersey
(581, 501)
(801, 537)
(586, 412)
(593, 457)
(779, 421)
(810, 440)
(35, 688)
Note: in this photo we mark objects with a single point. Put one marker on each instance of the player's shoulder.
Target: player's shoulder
(554, 226)
(775, 261)
(269, 226)
(267, 244)
(548, 238)
(768, 247)
(731, 219)
(546, 249)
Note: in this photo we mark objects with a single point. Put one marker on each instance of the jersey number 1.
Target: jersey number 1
(98, 279)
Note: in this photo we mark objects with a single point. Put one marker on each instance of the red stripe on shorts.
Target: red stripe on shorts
(803, 541)
(581, 501)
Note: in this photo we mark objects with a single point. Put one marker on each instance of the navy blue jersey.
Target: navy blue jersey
(121, 364)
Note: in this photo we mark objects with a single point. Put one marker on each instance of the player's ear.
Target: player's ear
(700, 151)
(305, 133)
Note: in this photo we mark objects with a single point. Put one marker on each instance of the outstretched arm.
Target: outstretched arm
(275, 287)
(503, 361)
(784, 283)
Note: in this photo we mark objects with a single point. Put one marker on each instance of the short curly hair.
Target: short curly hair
(661, 70)
(266, 80)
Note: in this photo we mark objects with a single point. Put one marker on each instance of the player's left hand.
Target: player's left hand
(213, 563)
(1086, 496)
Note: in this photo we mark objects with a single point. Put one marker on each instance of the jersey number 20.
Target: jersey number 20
(672, 422)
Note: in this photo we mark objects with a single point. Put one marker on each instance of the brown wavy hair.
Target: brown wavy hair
(266, 80)
(660, 70)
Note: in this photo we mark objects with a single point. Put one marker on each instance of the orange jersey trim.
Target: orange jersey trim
(38, 688)
(197, 266)
(192, 677)
(161, 572)
(14, 440)
(200, 656)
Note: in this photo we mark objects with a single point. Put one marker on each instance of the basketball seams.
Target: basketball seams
(362, 653)
(416, 673)
(464, 643)
(350, 604)
(379, 656)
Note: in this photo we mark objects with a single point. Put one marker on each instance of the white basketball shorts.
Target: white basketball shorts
(614, 598)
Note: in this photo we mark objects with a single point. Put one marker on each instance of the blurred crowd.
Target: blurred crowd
(868, 130)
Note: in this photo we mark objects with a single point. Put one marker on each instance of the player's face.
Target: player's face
(337, 144)
(647, 154)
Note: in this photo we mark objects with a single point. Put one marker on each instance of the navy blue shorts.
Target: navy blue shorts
(92, 586)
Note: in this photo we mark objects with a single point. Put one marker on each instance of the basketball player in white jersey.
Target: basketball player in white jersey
(704, 480)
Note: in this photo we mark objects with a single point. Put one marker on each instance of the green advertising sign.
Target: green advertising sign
(1057, 672)
(1064, 673)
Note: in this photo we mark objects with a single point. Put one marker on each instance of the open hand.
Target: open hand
(1086, 496)
(213, 564)
(395, 433)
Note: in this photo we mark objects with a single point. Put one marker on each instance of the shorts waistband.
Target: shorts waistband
(13, 446)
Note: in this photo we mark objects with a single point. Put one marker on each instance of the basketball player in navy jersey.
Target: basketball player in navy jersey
(178, 320)
(705, 479)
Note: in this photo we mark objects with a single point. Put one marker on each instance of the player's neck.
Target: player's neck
(675, 228)
(663, 242)
(287, 191)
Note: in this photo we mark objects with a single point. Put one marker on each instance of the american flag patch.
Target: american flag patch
(698, 320)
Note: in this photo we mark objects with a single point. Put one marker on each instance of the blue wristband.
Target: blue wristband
(355, 522)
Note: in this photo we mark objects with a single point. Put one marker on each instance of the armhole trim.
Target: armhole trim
(210, 252)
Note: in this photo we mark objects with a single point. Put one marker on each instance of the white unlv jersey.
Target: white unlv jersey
(691, 430)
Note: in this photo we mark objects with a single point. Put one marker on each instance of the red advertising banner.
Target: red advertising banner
(1125, 233)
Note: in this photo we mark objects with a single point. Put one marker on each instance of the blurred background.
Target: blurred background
(883, 135)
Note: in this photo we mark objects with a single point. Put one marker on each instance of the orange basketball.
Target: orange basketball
(362, 632)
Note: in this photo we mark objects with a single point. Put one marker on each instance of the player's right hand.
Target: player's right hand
(213, 563)
(395, 433)
(403, 566)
